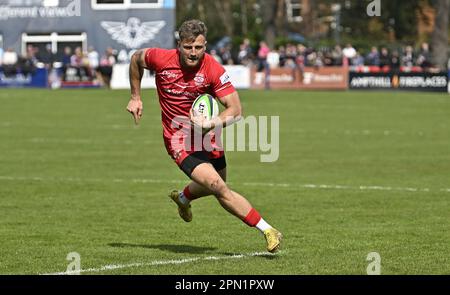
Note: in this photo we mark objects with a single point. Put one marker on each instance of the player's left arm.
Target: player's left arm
(232, 112)
(221, 88)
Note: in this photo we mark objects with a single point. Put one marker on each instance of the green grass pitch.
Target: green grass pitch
(358, 172)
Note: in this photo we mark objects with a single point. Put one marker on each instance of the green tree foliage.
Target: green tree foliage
(236, 19)
(266, 19)
(440, 37)
(398, 20)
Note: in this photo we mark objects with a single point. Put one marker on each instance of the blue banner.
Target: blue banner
(38, 79)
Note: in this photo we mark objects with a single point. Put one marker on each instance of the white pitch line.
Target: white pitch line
(364, 132)
(259, 184)
(342, 187)
(162, 262)
(85, 141)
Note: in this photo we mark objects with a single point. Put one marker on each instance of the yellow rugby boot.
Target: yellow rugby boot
(273, 239)
(184, 210)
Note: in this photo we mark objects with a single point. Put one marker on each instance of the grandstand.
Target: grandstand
(42, 33)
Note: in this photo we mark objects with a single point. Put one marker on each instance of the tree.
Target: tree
(236, 19)
(267, 20)
(224, 7)
(439, 37)
(269, 11)
(216, 14)
(401, 16)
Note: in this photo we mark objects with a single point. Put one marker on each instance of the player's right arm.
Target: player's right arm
(137, 66)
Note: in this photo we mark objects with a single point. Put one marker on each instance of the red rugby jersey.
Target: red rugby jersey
(178, 87)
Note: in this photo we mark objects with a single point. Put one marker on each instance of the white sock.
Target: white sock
(263, 225)
(183, 199)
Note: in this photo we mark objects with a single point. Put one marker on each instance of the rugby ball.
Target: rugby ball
(205, 105)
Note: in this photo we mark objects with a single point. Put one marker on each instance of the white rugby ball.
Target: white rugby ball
(205, 105)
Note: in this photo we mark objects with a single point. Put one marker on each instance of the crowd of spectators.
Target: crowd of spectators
(380, 59)
(73, 65)
(88, 65)
(13, 63)
(78, 65)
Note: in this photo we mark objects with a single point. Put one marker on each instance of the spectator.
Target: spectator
(357, 60)
(385, 59)
(262, 56)
(273, 59)
(10, 60)
(245, 52)
(282, 53)
(395, 61)
(225, 55)
(349, 52)
(93, 57)
(66, 61)
(1, 56)
(327, 58)
(300, 59)
(47, 57)
(66, 56)
(80, 62)
(26, 64)
(373, 58)
(216, 56)
(408, 57)
(107, 62)
(291, 56)
(76, 60)
(32, 53)
(320, 59)
(315, 59)
(337, 55)
(423, 60)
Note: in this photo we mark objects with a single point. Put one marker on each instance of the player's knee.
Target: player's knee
(217, 186)
(223, 174)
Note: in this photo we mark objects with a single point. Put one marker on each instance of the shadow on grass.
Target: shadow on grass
(193, 250)
(167, 247)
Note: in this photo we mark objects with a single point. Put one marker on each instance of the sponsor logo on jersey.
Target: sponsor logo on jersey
(225, 78)
(169, 74)
(199, 79)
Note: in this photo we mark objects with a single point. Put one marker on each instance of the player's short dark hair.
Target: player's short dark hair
(191, 29)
